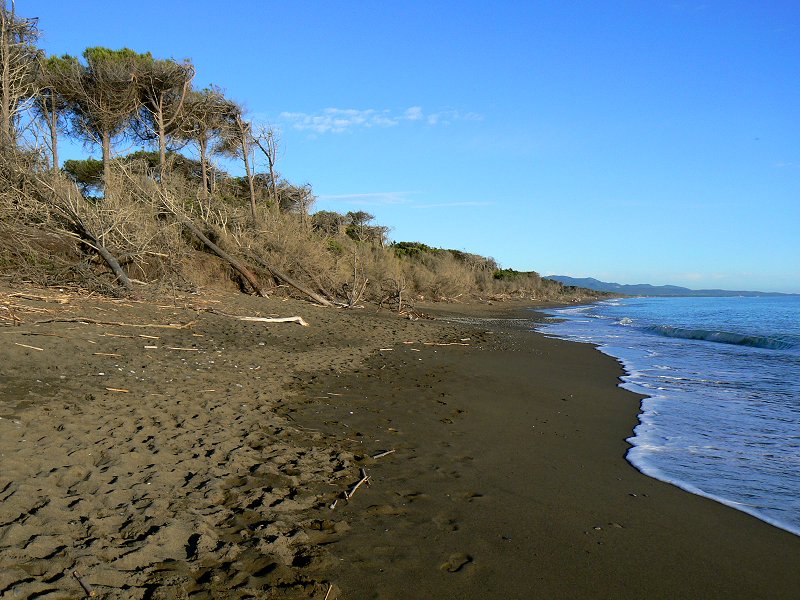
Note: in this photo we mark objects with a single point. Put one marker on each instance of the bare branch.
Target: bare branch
(19, 58)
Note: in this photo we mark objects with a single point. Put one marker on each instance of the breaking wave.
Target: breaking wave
(719, 421)
(721, 337)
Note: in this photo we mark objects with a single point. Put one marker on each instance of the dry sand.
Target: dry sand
(201, 460)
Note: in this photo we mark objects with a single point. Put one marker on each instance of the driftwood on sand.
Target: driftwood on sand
(299, 320)
(87, 320)
(364, 479)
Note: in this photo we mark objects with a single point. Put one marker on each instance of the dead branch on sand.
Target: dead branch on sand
(31, 347)
(88, 321)
(86, 587)
(364, 479)
(26, 296)
(382, 454)
(299, 320)
(8, 315)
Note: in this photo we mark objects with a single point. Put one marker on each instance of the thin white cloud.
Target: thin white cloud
(413, 113)
(446, 117)
(340, 120)
(368, 198)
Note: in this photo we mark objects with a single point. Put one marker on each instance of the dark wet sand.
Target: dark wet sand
(201, 461)
(509, 481)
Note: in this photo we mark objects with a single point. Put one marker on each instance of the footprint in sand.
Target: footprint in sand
(456, 562)
(445, 523)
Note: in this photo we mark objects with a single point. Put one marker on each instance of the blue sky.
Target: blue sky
(632, 141)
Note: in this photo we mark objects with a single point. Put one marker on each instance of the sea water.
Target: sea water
(722, 380)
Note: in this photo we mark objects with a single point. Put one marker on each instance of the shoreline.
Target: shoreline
(512, 514)
(655, 472)
(170, 449)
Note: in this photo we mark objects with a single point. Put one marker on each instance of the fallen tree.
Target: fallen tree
(281, 276)
(60, 198)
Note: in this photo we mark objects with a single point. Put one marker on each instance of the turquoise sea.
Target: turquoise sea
(722, 380)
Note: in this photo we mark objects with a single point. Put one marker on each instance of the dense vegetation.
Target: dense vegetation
(168, 216)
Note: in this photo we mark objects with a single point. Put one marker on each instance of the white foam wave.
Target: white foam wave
(637, 456)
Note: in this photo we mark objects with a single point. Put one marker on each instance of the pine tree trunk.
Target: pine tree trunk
(162, 146)
(106, 161)
(203, 169)
(54, 135)
(6, 135)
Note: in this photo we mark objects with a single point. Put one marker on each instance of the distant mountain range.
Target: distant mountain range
(645, 289)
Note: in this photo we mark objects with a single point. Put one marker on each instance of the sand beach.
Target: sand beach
(171, 450)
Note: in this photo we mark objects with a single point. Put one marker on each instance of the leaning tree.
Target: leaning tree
(163, 87)
(202, 117)
(236, 140)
